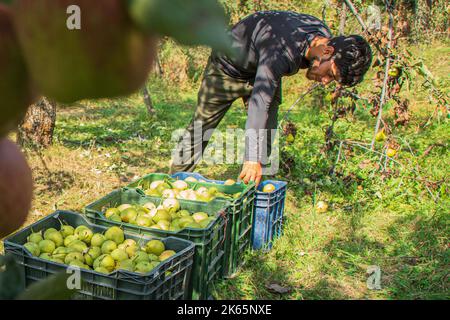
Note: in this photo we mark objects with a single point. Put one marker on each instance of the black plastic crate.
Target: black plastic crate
(210, 244)
(168, 281)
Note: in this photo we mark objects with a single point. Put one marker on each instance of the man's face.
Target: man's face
(323, 68)
(324, 71)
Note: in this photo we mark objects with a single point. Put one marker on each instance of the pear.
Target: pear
(97, 240)
(33, 248)
(155, 247)
(47, 246)
(108, 246)
(56, 237)
(115, 234)
(67, 230)
(35, 237)
(166, 255)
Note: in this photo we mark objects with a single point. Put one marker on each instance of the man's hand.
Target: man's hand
(252, 171)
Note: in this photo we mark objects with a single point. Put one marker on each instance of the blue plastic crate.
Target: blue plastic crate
(196, 175)
(268, 216)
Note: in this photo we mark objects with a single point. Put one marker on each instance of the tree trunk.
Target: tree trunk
(158, 67)
(343, 19)
(38, 125)
(148, 101)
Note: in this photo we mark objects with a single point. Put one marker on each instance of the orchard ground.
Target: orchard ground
(391, 221)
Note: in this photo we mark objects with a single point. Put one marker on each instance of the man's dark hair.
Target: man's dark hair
(353, 57)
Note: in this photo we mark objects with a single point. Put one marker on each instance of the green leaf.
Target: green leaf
(7, 2)
(52, 288)
(190, 22)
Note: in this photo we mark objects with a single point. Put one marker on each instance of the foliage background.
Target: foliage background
(397, 220)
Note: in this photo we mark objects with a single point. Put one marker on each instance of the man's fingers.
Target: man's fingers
(253, 176)
(243, 173)
(258, 180)
(248, 177)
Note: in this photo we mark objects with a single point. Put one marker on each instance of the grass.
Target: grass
(392, 220)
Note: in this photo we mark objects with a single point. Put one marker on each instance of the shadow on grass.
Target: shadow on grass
(252, 282)
(414, 262)
(109, 123)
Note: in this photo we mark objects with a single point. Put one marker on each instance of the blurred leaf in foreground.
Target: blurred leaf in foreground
(10, 278)
(190, 22)
(52, 288)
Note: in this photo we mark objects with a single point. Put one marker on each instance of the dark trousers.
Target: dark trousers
(217, 93)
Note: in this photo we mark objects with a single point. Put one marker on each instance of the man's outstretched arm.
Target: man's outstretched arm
(266, 85)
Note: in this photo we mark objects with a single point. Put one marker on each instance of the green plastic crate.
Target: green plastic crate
(209, 243)
(118, 285)
(240, 216)
(240, 221)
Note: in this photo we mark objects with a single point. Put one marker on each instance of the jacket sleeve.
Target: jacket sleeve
(270, 70)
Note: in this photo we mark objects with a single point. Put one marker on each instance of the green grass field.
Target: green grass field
(398, 221)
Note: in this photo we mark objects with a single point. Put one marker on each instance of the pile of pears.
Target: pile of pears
(180, 189)
(101, 252)
(168, 216)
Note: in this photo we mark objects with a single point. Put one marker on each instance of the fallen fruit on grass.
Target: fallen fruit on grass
(269, 188)
(380, 136)
(106, 56)
(16, 186)
(394, 72)
(391, 152)
(321, 207)
(290, 138)
(15, 88)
